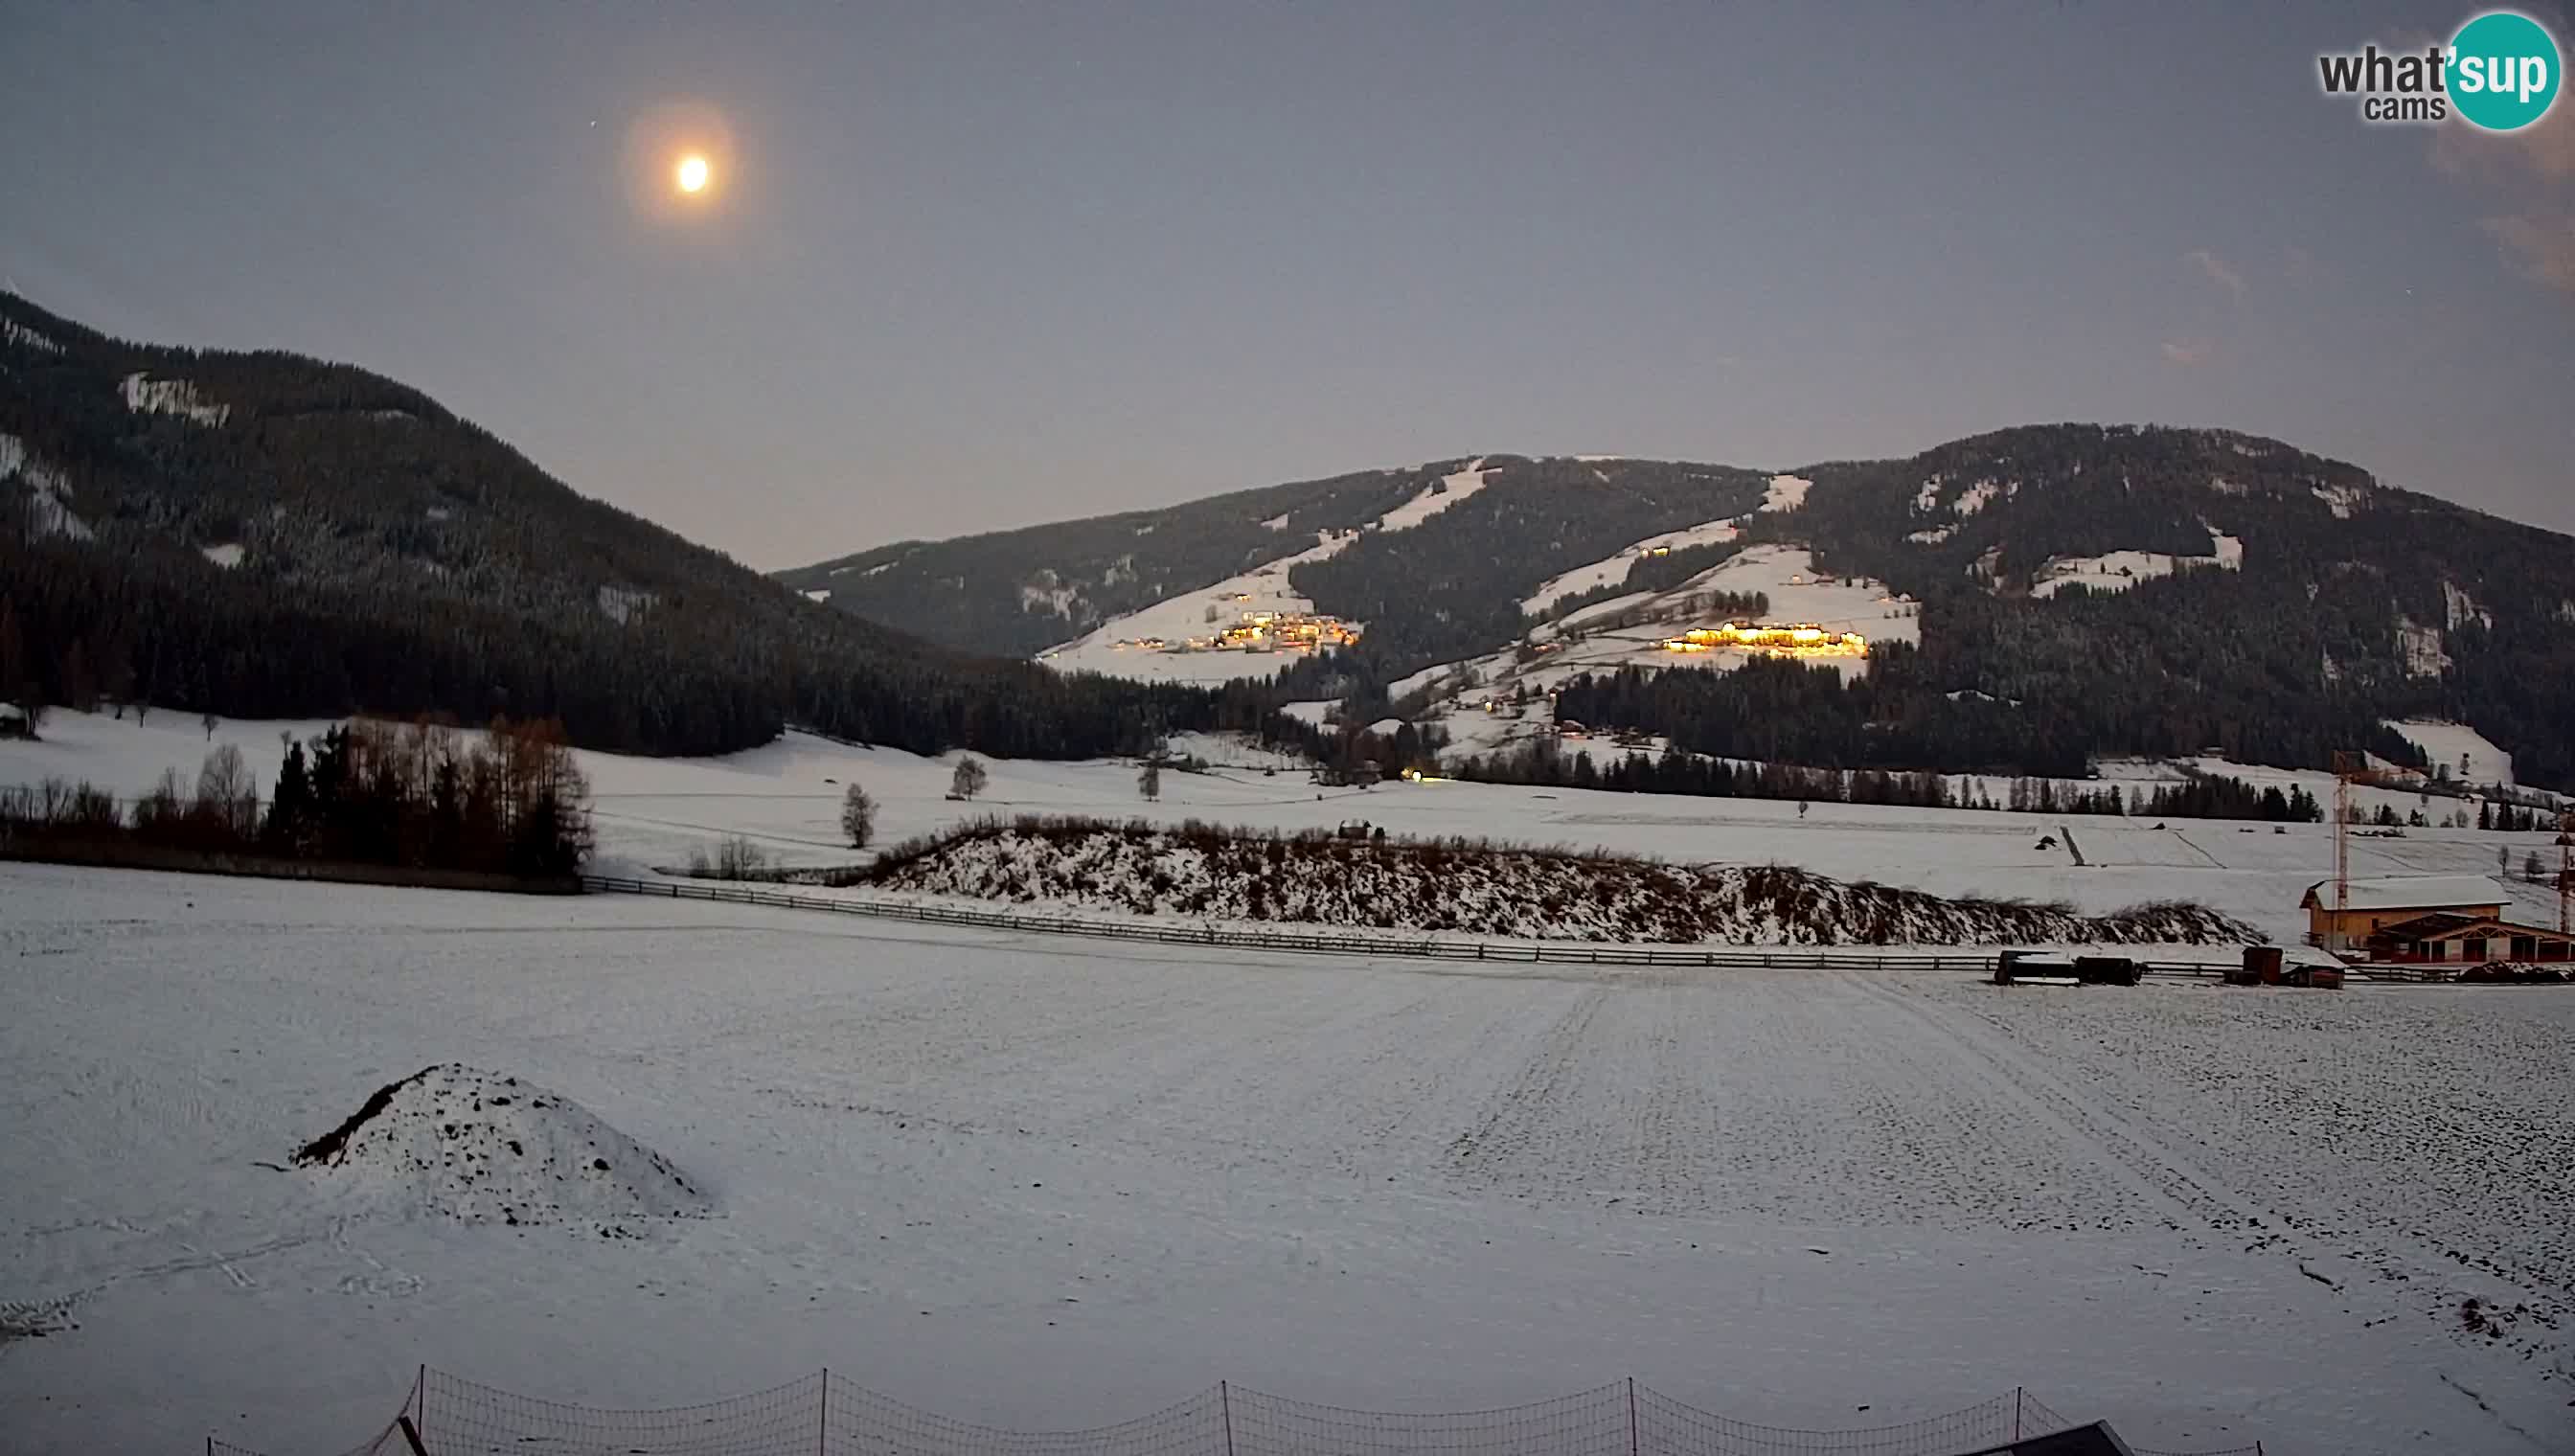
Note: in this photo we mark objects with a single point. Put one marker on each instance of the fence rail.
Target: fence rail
(827, 1413)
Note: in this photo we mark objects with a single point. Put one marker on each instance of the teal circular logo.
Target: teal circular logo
(2503, 71)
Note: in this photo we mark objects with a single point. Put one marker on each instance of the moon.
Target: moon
(693, 173)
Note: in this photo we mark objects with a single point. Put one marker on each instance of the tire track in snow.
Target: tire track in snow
(1529, 1110)
(2149, 1167)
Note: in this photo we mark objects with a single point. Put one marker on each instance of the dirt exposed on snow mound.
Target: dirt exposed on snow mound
(486, 1148)
(1477, 889)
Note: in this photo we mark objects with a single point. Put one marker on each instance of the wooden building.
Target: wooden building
(2450, 938)
(2373, 905)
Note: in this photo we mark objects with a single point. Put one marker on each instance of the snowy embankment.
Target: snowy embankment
(1480, 889)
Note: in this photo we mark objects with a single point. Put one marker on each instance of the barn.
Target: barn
(2370, 905)
(2465, 940)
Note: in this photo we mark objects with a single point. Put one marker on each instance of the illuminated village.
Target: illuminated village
(1806, 640)
(1260, 632)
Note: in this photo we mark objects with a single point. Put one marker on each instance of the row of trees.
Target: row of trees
(1542, 762)
(508, 801)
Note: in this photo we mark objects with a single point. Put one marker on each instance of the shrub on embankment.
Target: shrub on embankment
(1479, 887)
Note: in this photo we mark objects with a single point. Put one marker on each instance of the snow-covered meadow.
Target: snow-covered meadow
(785, 796)
(1045, 1184)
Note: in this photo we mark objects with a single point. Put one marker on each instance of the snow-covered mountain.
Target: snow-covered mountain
(2024, 598)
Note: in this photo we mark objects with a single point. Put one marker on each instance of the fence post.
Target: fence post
(1225, 1403)
(411, 1435)
(419, 1394)
(1632, 1415)
(823, 1424)
(2017, 1394)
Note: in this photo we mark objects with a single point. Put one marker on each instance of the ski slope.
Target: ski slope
(1112, 647)
(2460, 751)
(1115, 647)
(1047, 1184)
(1614, 567)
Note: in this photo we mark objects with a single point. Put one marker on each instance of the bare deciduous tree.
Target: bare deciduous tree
(857, 816)
(227, 792)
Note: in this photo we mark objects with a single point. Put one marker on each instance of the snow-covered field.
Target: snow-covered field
(1614, 567)
(1585, 642)
(1112, 648)
(2120, 570)
(785, 796)
(2460, 751)
(1044, 1184)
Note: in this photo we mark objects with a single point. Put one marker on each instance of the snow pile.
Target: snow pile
(1480, 888)
(147, 396)
(227, 556)
(486, 1148)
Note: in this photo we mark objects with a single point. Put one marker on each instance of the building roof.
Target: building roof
(2408, 892)
(2442, 925)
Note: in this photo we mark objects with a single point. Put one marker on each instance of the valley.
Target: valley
(1198, 730)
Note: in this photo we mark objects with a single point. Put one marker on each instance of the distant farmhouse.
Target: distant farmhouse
(2431, 919)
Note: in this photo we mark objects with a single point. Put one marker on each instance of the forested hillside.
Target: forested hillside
(264, 535)
(1447, 587)
(1022, 592)
(1452, 588)
(2307, 604)
(2082, 589)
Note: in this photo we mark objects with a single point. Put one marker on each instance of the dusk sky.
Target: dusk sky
(970, 266)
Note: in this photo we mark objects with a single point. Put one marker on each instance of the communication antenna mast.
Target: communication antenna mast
(2347, 769)
(2566, 872)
